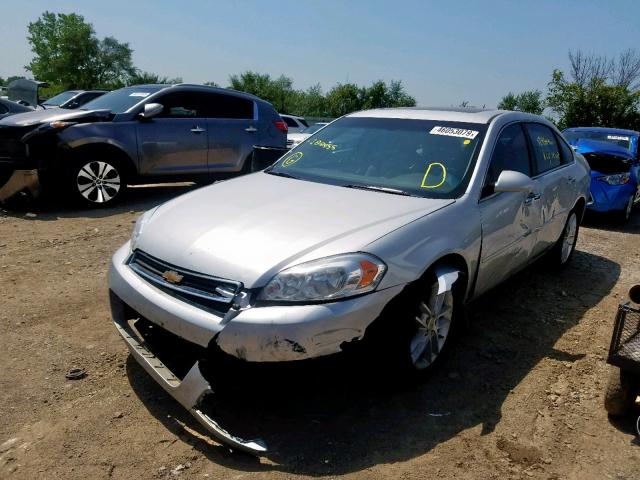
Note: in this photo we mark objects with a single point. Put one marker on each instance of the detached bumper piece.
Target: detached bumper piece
(189, 391)
(19, 181)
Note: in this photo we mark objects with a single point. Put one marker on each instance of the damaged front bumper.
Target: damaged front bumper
(254, 334)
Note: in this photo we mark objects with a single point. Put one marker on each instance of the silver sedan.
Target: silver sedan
(375, 231)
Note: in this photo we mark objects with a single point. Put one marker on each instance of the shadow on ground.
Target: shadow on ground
(335, 418)
(139, 198)
(610, 221)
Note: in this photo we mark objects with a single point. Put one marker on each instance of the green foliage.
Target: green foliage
(593, 102)
(340, 100)
(528, 101)
(148, 78)
(67, 54)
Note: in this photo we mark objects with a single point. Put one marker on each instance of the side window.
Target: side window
(510, 153)
(304, 122)
(220, 105)
(546, 151)
(566, 151)
(182, 105)
(290, 122)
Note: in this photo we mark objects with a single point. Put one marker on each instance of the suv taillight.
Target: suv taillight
(281, 125)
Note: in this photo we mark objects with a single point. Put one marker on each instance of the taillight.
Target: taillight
(281, 125)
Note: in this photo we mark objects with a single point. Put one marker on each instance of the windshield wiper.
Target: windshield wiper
(375, 188)
(280, 174)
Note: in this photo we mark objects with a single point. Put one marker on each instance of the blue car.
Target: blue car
(612, 154)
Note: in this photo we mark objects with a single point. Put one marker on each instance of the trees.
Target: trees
(528, 101)
(67, 54)
(594, 103)
(600, 91)
(143, 78)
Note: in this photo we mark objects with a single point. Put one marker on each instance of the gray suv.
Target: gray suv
(139, 134)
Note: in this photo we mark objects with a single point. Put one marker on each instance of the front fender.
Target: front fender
(412, 249)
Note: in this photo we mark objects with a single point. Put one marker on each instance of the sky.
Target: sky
(445, 52)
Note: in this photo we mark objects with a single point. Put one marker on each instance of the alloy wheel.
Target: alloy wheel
(98, 181)
(433, 324)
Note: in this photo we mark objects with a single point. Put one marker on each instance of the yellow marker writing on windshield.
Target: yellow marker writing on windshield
(291, 159)
(426, 174)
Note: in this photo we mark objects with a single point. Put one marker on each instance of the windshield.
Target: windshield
(424, 158)
(623, 141)
(119, 101)
(313, 128)
(61, 98)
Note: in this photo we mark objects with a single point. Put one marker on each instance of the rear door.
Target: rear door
(176, 141)
(510, 220)
(233, 129)
(557, 187)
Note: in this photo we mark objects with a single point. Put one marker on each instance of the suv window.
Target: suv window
(220, 105)
(545, 147)
(510, 153)
(290, 122)
(205, 105)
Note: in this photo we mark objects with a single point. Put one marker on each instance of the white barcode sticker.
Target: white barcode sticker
(139, 94)
(454, 132)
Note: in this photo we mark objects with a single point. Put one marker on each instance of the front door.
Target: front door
(510, 220)
(175, 141)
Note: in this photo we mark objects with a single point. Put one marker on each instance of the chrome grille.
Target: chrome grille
(211, 293)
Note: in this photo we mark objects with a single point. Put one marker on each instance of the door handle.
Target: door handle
(198, 130)
(251, 129)
(531, 197)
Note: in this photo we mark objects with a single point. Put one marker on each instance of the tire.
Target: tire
(625, 214)
(561, 253)
(620, 393)
(416, 330)
(96, 182)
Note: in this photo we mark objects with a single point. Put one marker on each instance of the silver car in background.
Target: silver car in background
(374, 232)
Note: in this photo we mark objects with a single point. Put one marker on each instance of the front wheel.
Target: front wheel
(626, 213)
(97, 183)
(417, 327)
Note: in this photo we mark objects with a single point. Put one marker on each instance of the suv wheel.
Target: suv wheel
(97, 183)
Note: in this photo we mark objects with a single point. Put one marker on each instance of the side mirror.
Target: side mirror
(511, 181)
(151, 110)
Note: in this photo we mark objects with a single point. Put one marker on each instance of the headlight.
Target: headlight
(617, 179)
(139, 226)
(326, 279)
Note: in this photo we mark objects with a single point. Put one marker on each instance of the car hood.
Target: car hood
(249, 228)
(41, 116)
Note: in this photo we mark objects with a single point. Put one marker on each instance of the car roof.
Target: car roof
(469, 115)
(619, 131)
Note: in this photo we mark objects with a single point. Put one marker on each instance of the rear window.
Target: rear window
(618, 139)
(290, 122)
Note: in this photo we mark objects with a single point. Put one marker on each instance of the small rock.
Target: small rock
(30, 215)
(178, 469)
(563, 293)
(8, 444)
(117, 415)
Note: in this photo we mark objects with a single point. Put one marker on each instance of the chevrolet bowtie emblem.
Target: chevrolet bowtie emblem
(172, 276)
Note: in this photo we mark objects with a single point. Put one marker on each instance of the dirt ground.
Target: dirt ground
(520, 396)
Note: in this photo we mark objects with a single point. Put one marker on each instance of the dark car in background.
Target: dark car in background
(612, 154)
(8, 107)
(71, 99)
(139, 134)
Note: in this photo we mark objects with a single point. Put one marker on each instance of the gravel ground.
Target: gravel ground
(520, 396)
